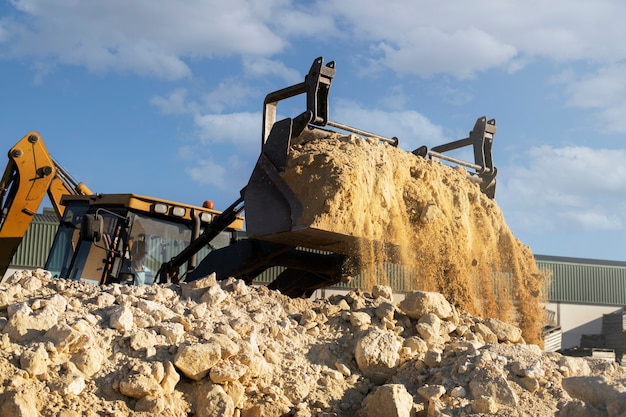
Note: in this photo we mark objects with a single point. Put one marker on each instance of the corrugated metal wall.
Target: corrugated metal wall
(585, 281)
(571, 280)
(33, 251)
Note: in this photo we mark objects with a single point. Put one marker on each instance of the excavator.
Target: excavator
(139, 233)
(30, 174)
(133, 239)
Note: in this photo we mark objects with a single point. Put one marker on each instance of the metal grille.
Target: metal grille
(35, 245)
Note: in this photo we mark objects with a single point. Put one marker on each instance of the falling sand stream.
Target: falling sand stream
(449, 237)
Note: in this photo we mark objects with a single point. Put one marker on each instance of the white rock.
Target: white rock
(504, 331)
(174, 332)
(391, 400)
(594, 390)
(416, 304)
(377, 355)
(213, 401)
(196, 360)
(383, 291)
(121, 317)
(35, 360)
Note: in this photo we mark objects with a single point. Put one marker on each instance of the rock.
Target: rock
(530, 383)
(429, 392)
(63, 337)
(486, 333)
(432, 358)
(573, 366)
(151, 405)
(594, 390)
(391, 400)
(253, 356)
(504, 331)
(156, 309)
(18, 404)
(266, 409)
(195, 360)
(174, 332)
(385, 310)
(342, 368)
(170, 378)
(213, 296)
(105, 300)
(228, 347)
(31, 283)
(377, 356)
(577, 408)
(35, 360)
(382, 291)
(143, 340)
(213, 401)
(416, 344)
(360, 319)
(138, 386)
(195, 289)
(428, 328)
(68, 384)
(484, 405)
(236, 391)
(418, 303)
(24, 325)
(227, 371)
(493, 385)
(121, 317)
(90, 361)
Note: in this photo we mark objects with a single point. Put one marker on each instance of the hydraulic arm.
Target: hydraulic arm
(30, 175)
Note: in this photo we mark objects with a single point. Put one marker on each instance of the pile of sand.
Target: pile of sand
(452, 238)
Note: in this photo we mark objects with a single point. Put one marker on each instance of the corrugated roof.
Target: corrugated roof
(588, 261)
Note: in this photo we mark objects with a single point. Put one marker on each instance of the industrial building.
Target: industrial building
(583, 294)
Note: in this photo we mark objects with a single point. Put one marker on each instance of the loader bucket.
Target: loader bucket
(276, 213)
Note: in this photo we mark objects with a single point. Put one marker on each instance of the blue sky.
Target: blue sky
(164, 98)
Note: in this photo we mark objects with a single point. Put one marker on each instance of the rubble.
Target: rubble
(63, 352)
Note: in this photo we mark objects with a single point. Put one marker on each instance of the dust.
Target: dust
(446, 235)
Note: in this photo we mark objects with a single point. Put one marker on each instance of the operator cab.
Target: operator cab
(125, 239)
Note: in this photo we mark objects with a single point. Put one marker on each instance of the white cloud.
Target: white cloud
(604, 90)
(174, 103)
(243, 130)
(145, 37)
(208, 172)
(163, 39)
(229, 174)
(229, 93)
(568, 188)
(462, 38)
(462, 52)
(260, 67)
(412, 128)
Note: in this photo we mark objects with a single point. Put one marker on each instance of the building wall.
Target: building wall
(579, 319)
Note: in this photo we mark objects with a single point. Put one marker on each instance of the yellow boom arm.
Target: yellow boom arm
(30, 174)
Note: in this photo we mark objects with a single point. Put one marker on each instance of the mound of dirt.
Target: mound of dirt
(451, 237)
(227, 349)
